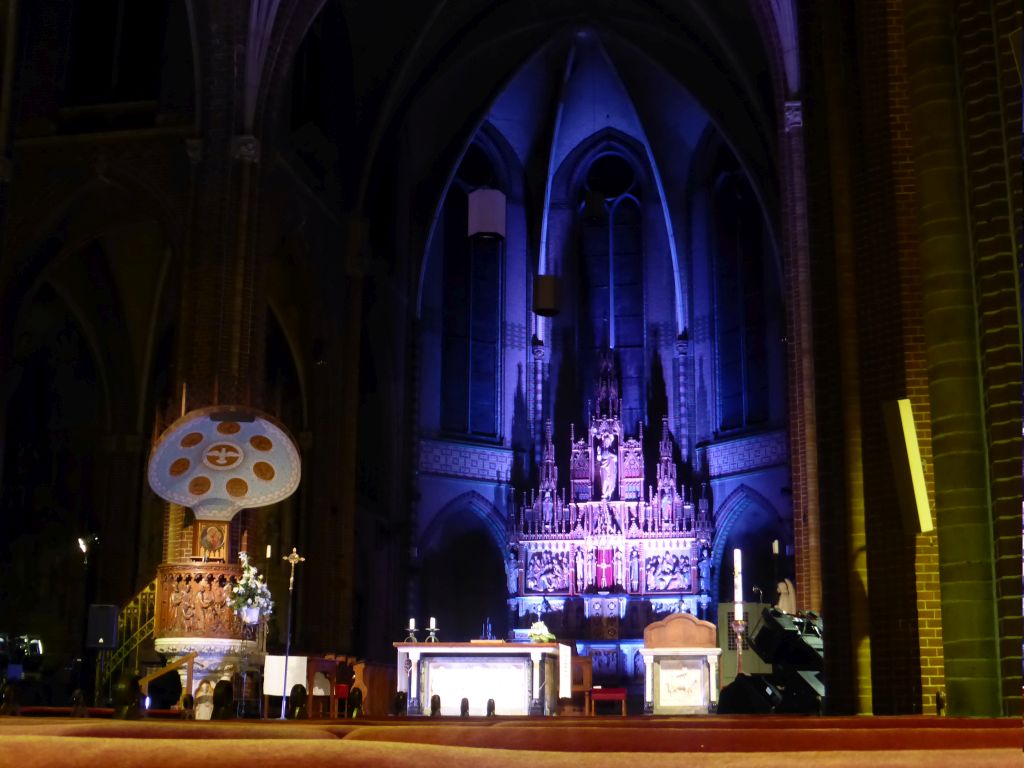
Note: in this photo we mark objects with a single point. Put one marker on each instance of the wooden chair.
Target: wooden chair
(582, 670)
(340, 694)
(328, 667)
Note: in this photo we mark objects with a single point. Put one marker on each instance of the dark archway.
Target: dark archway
(51, 475)
(462, 579)
(748, 522)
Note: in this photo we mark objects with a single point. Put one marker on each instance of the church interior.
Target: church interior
(583, 322)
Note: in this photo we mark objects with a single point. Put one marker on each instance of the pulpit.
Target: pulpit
(680, 666)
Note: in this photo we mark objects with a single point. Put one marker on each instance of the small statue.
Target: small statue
(435, 706)
(512, 571)
(204, 701)
(464, 708)
(580, 580)
(490, 707)
(634, 570)
(608, 463)
(704, 569)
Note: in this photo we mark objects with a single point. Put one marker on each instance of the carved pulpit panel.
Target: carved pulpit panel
(192, 601)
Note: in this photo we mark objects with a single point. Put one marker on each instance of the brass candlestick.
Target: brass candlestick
(739, 627)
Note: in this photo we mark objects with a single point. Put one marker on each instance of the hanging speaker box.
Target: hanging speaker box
(545, 295)
(486, 213)
(101, 628)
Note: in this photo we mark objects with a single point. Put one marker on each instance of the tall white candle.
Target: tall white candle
(775, 547)
(268, 551)
(412, 623)
(737, 583)
(433, 624)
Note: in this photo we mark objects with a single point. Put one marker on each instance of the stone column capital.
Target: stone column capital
(245, 147)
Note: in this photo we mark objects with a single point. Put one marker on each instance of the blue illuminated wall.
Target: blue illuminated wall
(618, 183)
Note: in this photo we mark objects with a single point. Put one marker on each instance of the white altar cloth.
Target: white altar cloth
(522, 678)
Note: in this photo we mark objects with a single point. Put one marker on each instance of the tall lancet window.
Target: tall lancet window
(740, 305)
(471, 313)
(611, 279)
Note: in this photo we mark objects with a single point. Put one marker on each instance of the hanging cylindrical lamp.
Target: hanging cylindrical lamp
(545, 295)
(486, 212)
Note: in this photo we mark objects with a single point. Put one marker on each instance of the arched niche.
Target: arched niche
(461, 568)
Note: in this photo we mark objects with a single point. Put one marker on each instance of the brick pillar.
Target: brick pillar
(223, 316)
(958, 429)
(990, 101)
(901, 205)
(223, 307)
(856, 695)
(803, 433)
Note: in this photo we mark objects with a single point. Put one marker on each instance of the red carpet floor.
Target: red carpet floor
(753, 742)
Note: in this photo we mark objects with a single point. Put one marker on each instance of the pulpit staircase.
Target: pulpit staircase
(135, 625)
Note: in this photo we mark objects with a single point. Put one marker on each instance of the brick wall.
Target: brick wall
(886, 251)
(990, 100)
(825, 41)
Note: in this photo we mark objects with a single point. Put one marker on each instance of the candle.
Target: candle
(412, 623)
(268, 551)
(433, 624)
(737, 583)
(775, 547)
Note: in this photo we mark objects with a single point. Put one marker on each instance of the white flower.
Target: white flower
(250, 590)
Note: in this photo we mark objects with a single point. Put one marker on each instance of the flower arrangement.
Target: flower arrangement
(250, 591)
(539, 633)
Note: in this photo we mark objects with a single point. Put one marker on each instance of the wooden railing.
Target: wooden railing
(135, 625)
(187, 659)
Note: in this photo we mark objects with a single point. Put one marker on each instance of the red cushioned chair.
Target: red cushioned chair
(340, 692)
(607, 694)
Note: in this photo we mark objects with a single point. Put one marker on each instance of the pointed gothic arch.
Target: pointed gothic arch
(735, 507)
(474, 503)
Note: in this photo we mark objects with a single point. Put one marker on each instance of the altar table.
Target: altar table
(522, 678)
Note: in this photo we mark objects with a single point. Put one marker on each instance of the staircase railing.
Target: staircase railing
(135, 624)
(186, 660)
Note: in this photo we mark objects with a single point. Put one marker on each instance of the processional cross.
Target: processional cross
(293, 559)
